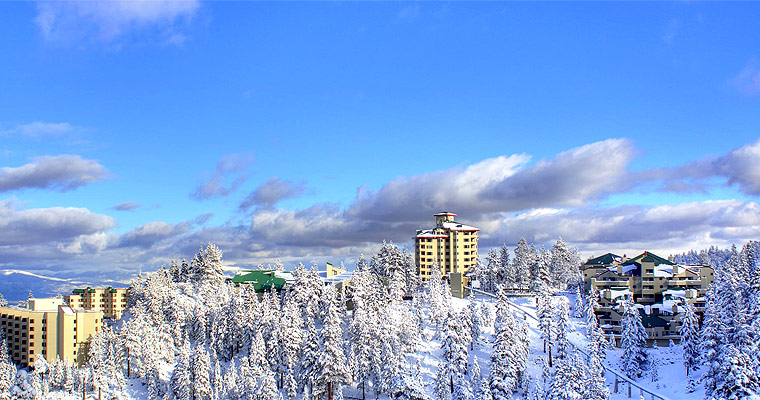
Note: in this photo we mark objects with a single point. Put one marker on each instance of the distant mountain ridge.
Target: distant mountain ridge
(16, 284)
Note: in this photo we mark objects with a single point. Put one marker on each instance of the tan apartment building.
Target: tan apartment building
(50, 328)
(450, 245)
(657, 286)
(111, 301)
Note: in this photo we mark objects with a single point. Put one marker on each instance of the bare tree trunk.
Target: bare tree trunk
(550, 356)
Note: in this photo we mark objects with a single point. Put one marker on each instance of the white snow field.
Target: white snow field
(670, 383)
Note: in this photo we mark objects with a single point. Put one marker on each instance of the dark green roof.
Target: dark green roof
(604, 259)
(648, 257)
(262, 280)
(82, 291)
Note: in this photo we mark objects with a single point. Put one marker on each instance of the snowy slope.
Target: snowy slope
(15, 284)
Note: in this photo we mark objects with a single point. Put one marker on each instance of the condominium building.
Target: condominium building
(657, 286)
(112, 301)
(450, 245)
(50, 328)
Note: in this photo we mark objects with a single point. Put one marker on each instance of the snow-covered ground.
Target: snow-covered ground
(671, 376)
(671, 380)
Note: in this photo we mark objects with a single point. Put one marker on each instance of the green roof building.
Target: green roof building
(264, 280)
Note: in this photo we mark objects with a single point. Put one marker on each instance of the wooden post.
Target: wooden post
(98, 393)
(83, 389)
(629, 390)
(329, 390)
(616, 384)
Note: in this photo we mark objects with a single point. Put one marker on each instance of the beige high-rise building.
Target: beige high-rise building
(50, 328)
(451, 245)
(112, 301)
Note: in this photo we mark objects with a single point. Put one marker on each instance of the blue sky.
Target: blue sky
(312, 131)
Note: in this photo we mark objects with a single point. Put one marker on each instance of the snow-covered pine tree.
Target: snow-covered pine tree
(201, 374)
(182, 377)
(565, 265)
(690, 338)
(455, 352)
(268, 389)
(578, 307)
(735, 377)
(333, 370)
(442, 384)
(633, 341)
(545, 316)
(473, 311)
(310, 354)
(655, 363)
(476, 376)
(362, 328)
(542, 280)
(3, 302)
(7, 368)
(506, 272)
(524, 260)
(56, 373)
(503, 378)
(592, 304)
(231, 381)
(565, 382)
(67, 382)
(257, 355)
(291, 335)
(560, 322)
(597, 347)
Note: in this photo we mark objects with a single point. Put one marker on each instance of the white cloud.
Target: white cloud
(148, 235)
(63, 172)
(111, 20)
(40, 129)
(126, 206)
(739, 167)
(508, 197)
(42, 225)
(218, 184)
(748, 79)
(273, 191)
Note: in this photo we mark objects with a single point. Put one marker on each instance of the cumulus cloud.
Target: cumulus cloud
(748, 79)
(218, 184)
(679, 226)
(572, 178)
(40, 225)
(64, 172)
(508, 197)
(109, 21)
(126, 206)
(40, 129)
(273, 191)
(739, 168)
(148, 235)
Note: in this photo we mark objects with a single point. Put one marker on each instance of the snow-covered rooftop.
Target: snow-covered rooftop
(663, 271)
(429, 234)
(456, 226)
(675, 293)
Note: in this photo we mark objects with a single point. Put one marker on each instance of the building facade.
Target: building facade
(49, 328)
(657, 286)
(450, 246)
(111, 301)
